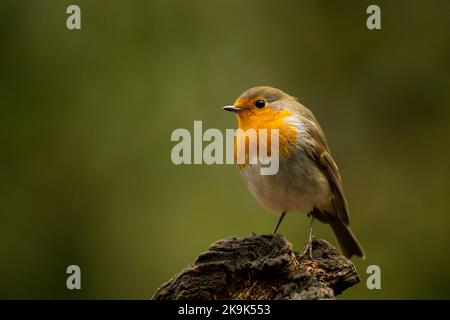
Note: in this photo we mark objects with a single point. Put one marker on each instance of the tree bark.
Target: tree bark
(262, 267)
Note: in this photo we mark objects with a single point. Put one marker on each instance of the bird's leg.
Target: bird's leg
(308, 247)
(279, 222)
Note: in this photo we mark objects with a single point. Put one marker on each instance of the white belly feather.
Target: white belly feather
(298, 186)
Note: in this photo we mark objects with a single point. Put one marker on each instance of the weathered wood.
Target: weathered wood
(262, 267)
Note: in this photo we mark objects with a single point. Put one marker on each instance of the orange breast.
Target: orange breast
(268, 119)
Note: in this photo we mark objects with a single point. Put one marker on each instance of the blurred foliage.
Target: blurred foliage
(86, 118)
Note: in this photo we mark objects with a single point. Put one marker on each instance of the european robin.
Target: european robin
(308, 179)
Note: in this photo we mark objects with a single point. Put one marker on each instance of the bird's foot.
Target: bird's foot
(308, 249)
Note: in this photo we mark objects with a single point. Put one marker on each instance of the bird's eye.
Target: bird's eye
(260, 104)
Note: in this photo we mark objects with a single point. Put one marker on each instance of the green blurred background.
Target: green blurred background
(86, 117)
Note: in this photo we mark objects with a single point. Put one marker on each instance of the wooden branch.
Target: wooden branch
(262, 267)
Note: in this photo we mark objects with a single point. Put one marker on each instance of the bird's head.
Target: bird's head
(269, 108)
(262, 107)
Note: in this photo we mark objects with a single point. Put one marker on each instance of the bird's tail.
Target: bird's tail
(347, 240)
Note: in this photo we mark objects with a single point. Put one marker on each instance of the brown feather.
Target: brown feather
(318, 151)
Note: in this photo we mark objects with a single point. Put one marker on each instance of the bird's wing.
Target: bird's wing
(326, 164)
(317, 150)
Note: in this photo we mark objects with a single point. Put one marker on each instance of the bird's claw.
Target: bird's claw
(308, 249)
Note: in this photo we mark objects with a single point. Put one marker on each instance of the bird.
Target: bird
(308, 178)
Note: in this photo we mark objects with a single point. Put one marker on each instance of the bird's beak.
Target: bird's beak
(231, 108)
